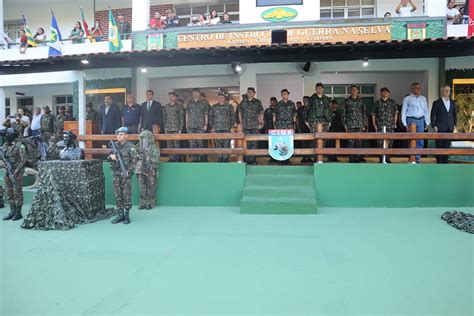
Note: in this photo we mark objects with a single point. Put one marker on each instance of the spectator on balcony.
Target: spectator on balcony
(452, 13)
(96, 32)
(77, 33)
(40, 37)
(157, 22)
(387, 15)
(214, 19)
(405, 8)
(172, 20)
(226, 18)
(199, 20)
(123, 26)
(23, 42)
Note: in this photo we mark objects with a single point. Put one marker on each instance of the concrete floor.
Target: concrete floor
(213, 260)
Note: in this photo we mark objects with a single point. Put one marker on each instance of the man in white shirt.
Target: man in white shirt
(36, 122)
(415, 111)
(451, 12)
(405, 8)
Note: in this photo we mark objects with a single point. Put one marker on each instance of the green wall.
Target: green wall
(191, 184)
(394, 185)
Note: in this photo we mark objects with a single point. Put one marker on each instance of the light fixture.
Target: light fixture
(85, 62)
(144, 70)
(365, 62)
(236, 67)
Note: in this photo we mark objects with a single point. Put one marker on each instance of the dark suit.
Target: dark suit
(151, 117)
(111, 121)
(445, 122)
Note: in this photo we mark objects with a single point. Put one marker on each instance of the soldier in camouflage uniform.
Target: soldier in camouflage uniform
(222, 120)
(91, 114)
(148, 159)
(355, 119)
(285, 117)
(385, 114)
(2, 205)
(269, 115)
(173, 122)
(251, 119)
(14, 152)
(123, 183)
(60, 121)
(48, 124)
(317, 110)
(17, 124)
(196, 122)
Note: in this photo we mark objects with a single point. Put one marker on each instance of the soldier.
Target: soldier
(126, 153)
(285, 117)
(251, 119)
(60, 121)
(196, 122)
(336, 126)
(2, 205)
(301, 126)
(17, 122)
(14, 158)
(317, 110)
(222, 120)
(48, 124)
(269, 115)
(91, 114)
(355, 119)
(173, 121)
(385, 114)
(148, 159)
(205, 142)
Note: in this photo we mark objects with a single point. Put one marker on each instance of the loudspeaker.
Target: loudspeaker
(279, 36)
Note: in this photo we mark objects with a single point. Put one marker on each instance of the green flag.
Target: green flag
(115, 44)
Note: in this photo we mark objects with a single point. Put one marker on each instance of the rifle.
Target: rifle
(123, 167)
(8, 167)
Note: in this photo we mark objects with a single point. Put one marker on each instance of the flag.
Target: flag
(470, 27)
(86, 28)
(55, 38)
(29, 36)
(115, 44)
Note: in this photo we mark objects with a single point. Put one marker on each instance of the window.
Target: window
(7, 107)
(12, 28)
(264, 3)
(62, 100)
(347, 9)
(25, 103)
(186, 13)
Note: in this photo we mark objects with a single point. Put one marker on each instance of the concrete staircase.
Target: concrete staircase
(279, 190)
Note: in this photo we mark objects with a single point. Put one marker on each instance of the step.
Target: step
(280, 192)
(280, 170)
(279, 181)
(277, 206)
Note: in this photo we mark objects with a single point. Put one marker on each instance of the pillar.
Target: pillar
(140, 15)
(81, 105)
(2, 104)
(435, 8)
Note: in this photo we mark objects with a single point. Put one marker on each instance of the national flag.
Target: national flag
(115, 44)
(55, 38)
(470, 28)
(86, 27)
(29, 36)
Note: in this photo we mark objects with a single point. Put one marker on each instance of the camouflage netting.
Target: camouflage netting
(460, 220)
(71, 192)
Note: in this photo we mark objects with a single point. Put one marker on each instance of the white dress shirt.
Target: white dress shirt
(405, 11)
(415, 106)
(447, 104)
(36, 122)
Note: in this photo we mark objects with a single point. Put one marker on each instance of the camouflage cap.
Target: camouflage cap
(122, 129)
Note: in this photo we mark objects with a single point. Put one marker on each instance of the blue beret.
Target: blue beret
(122, 130)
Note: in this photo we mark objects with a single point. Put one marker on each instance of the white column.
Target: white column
(141, 85)
(81, 103)
(435, 7)
(1, 15)
(2, 103)
(140, 15)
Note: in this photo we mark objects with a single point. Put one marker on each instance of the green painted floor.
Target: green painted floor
(196, 260)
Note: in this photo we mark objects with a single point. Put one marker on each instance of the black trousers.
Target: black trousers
(443, 143)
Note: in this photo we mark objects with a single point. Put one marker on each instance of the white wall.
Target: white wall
(271, 85)
(250, 13)
(42, 94)
(466, 62)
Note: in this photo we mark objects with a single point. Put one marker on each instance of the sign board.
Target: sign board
(281, 144)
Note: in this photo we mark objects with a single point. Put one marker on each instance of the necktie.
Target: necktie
(148, 106)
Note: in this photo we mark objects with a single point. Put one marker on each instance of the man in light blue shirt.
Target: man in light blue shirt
(415, 111)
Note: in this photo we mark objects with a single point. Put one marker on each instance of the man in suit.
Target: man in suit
(151, 113)
(443, 120)
(110, 116)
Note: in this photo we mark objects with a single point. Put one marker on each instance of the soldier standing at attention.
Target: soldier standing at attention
(222, 120)
(196, 120)
(269, 115)
(48, 124)
(173, 121)
(91, 114)
(14, 154)
(317, 110)
(60, 121)
(355, 119)
(385, 114)
(123, 177)
(148, 159)
(285, 117)
(205, 142)
(251, 119)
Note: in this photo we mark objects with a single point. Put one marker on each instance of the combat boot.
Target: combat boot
(126, 217)
(17, 215)
(119, 217)
(10, 215)
(1, 204)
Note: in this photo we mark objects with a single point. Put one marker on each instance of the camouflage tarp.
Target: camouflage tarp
(460, 220)
(71, 192)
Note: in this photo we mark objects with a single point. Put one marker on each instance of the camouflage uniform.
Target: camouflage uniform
(147, 169)
(92, 116)
(1, 197)
(16, 154)
(123, 186)
(197, 112)
(250, 111)
(285, 115)
(48, 126)
(19, 127)
(317, 111)
(268, 118)
(355, 120)
(384, 112)
(173, 122)
(222, 120)
(60, 124)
